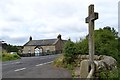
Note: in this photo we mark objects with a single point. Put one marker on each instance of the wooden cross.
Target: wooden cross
(90, 20)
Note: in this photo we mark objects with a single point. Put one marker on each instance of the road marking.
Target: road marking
(16, 63)
(44, 63)
(34, 57)
(19, 69)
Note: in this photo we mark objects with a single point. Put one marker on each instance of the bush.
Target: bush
(69, 52)
(16, 56)
(109, 74)
(7, 57)
(82, 47)
(70, 66)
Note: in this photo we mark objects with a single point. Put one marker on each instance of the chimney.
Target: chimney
(30, 39)
(59, 37)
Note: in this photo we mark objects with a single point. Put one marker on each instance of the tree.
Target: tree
(10, 48)
(82, 47)
(106, 42)
(69, 52)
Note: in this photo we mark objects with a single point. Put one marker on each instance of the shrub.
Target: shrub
(16, 56)
(7, 57)
(109, 74)
(69, 52)
(70, 66)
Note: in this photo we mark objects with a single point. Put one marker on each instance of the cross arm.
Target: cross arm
(95, 16)
(92, 17)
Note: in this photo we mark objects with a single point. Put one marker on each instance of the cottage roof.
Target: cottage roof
(43, 42)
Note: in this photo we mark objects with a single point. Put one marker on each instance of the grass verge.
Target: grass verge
(59, 62)
(8, 57)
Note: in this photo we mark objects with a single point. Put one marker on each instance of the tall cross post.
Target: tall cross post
(92, 16)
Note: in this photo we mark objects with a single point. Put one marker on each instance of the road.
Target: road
(33, 67)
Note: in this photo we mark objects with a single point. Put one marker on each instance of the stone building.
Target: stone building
(43, 47)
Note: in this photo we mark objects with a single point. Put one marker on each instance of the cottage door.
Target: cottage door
(37, 51)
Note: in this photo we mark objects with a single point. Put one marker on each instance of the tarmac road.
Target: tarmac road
(33, 67)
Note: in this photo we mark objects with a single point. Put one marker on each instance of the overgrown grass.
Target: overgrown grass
(110, 75)
(60, 62)
(8, 57)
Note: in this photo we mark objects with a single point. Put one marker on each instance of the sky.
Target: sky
(45, 19)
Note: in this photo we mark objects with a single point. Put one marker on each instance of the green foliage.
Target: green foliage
(58, 62)
(69, 52)
(10, 48)
(118, 58)
(69, 66)
(7, 57)
(107, 43)
(109, 74)
(82, 47)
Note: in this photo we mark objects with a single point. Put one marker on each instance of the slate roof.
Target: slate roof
(41, 42)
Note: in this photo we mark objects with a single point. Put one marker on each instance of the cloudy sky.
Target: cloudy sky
(45, 19)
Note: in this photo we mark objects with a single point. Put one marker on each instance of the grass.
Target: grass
(59, 62)
(111, 75)
(8, 57)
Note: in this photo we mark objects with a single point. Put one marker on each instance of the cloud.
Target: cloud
(14, 40)
(48, 18)
(119, 19)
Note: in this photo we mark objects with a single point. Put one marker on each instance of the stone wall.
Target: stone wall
(101, 61)
(59, 46)
(50, 48)
(26, 49)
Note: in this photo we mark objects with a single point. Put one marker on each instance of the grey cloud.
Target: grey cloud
(6, 30)
(71, 28)
(19, 40)
(15, 19)
(14, 41)
(63, 10)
